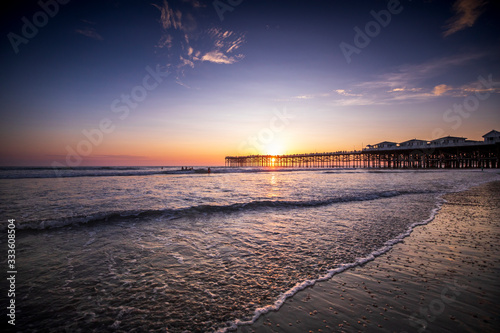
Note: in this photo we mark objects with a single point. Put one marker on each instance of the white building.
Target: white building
(448, 140)
(413, 143)
(385, 144)
(492, 137)
(489, 138)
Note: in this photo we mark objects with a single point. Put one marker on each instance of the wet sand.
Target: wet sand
(443, 278)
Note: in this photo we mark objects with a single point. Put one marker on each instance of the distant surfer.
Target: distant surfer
(208, 171)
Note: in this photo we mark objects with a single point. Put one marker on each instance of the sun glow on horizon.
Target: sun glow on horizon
(275, 149)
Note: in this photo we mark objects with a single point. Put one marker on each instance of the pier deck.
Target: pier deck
(477, 155)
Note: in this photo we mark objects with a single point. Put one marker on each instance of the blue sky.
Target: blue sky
(423, 69)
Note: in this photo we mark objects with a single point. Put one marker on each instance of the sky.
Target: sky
(188, 82)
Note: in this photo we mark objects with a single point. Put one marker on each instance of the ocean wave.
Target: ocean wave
(68, 172)
(95, 172)
(388, 245)
(73, 168)
(250, 206)
(71, 173)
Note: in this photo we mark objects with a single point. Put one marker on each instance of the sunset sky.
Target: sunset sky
(188, 82)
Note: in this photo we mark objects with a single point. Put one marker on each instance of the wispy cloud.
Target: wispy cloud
(304, 97)
(182, 84)
(441, 89)
(479, 87)
(412, 75)
(218, 58)
(89, 32)
(405, 84)
(169, 18)
(225, 44)
(466, 13)
(343, 92)
(185, 42)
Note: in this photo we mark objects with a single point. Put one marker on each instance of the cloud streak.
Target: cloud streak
(466, 14)
(90, 33)
(186, 44)
(441, 89)
(405, 84)
(218, 58)
(413, 75)
(169, 18)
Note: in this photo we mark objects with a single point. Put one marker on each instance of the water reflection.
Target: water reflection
(273, 189)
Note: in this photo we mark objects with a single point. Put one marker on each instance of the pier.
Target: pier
(444, 153)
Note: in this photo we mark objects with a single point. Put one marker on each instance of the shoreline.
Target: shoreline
(442, 278)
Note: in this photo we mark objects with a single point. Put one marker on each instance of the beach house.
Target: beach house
(448, 140)
(413, 143)
(492, 137)
(385, 144)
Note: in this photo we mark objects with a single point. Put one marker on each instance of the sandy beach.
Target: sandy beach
(442, 278)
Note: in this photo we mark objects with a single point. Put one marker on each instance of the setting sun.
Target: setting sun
(274, 149)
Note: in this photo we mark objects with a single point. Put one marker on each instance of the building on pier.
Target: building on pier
(414, 143)
(447, 140)
(492, 137)
(384, 144)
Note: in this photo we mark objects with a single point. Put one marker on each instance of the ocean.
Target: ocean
(133, 249)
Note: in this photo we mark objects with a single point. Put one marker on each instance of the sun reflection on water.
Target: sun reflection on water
(273, 189)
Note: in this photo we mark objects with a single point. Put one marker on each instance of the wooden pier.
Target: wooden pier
(433, 156)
